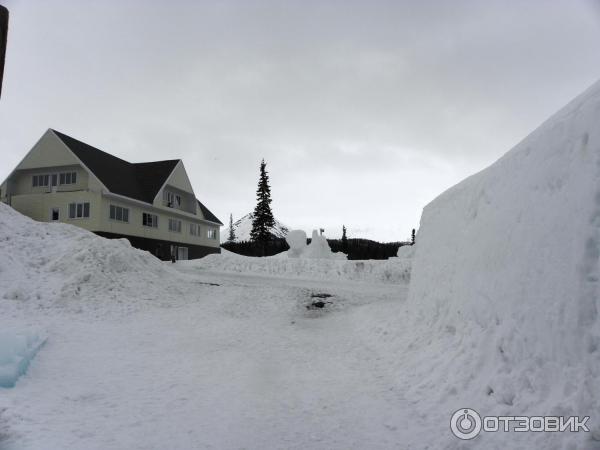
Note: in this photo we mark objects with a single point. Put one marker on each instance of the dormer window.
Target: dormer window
(173, 200)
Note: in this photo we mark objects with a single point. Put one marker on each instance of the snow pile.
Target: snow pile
(406, 251)
(317, 249)
(243, 226)
(296, 239)
(505, 280)
(53, 264)
(386, 271)
(17, 349)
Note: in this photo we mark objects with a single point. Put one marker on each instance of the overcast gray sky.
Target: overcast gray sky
(364, 110)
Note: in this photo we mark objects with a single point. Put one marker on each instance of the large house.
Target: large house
(151, 204)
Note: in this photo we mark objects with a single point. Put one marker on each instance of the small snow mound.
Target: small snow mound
(317, 249)
(406, 251)
(296, 239)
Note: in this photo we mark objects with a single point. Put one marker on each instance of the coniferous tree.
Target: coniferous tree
(231, 237)
(263, 220)
(344, 240)
(412, 237)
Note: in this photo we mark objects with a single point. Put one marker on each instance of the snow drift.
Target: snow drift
(505, 277)
(394, 270)
(55, 265)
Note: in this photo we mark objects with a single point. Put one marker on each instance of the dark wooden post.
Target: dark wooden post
(3, 39)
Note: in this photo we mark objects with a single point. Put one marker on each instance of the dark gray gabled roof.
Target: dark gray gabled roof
(207, 214)
(140, 181)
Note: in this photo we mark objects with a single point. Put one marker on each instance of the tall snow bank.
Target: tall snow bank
(505, 277)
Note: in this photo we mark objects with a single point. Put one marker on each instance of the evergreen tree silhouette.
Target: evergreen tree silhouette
(262, 220)
(412, 237)
(231, 237)
(344, 240)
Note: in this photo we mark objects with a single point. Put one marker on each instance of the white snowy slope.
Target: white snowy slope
(504, 291)
(148, 355)
(57, 266)
(242, 228)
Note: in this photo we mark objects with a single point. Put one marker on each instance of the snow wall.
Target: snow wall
(504, 286)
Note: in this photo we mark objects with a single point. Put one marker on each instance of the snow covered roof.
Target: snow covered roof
(140, 181)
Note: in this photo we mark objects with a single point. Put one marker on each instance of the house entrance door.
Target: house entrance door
(182, 253)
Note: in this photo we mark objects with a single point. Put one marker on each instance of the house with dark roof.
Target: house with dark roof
(152, 204)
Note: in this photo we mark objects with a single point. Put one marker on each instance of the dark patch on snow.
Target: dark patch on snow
(319, 304)
(206, 283)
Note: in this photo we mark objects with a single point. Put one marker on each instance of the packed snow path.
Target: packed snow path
(241, 365)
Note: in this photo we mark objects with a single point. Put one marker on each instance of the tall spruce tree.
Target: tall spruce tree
(412, 237)
(344, 240)
(231, 238)
(262, 220)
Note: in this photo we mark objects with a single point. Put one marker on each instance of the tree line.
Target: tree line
(263, 243)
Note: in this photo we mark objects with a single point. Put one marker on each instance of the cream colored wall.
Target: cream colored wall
(22, 180)
(49, 151)
(48, 155)
(179, 183)
(39, 207)
(179, 178)
(135, 227)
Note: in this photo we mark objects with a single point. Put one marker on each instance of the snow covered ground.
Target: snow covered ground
(142, 354)
(497, 310)
(386, 271)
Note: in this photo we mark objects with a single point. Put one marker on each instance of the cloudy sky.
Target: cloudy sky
(364, 110)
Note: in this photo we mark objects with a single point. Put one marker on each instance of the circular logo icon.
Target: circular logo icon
(465, 423)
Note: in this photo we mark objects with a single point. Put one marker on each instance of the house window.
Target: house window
(79, 210)
(195, 229)
(170, 199)
(211, 233)
(119, 213)
(40, 180)
(54, 215)
(175, 225)
(150, 220)
(173, 200)
(54, 179)
(68, 178)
